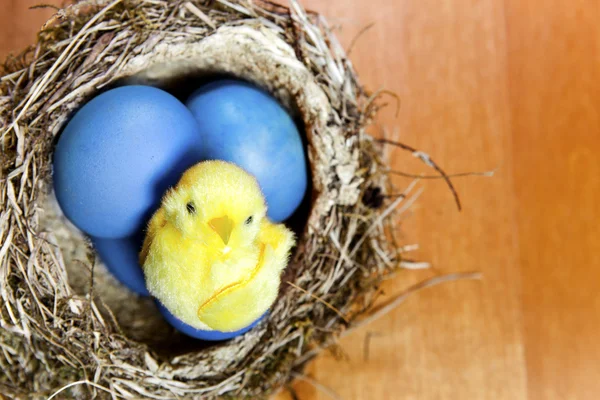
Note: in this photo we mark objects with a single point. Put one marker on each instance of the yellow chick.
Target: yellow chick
(210, 255)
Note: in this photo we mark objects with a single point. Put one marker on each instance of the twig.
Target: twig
(375, 95)
(414, 265)
(42, 6)
(331, 307)
(367, 344)
(428, 161)
(358, 36)
(457, 175)
(86, 382)
(400, 298)
(328, 391)
(198, 13)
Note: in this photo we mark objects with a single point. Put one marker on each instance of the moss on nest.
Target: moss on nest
(66, 324)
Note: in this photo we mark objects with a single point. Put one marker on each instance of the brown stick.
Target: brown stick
(427, 160)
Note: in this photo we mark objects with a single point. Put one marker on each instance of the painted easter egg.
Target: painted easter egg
(245, 125)
(121, 257)
(199, 333)
(119, 154)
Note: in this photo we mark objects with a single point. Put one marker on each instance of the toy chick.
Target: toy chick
(210, 255)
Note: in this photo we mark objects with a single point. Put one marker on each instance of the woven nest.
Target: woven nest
(67, 325)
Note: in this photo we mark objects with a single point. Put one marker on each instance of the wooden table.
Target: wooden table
(512, 85)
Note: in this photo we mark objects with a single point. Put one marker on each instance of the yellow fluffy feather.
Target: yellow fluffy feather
(211, 256)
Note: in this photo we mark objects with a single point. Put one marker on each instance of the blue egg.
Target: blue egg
(199, 333)
(243, 124)
(121, 258)
(119, 154)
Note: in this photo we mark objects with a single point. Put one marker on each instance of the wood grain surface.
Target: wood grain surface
(512, 85)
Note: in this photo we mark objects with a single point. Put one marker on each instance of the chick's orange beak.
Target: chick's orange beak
(223, 227)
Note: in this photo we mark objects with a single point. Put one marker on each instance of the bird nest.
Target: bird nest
(67, 325)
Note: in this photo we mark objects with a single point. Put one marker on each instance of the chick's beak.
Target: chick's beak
(223, 227)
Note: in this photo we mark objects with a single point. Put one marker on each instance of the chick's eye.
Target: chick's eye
(191, 208)
(248, 220)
